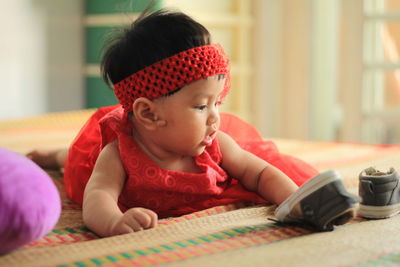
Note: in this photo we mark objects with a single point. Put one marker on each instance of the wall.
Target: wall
(102, 19)
(295, 57)
(40, 57)
(279, 74)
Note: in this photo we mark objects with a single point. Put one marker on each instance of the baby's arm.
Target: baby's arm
(100, 209)
(254, 173)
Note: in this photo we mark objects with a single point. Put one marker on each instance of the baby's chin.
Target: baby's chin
(199, 151)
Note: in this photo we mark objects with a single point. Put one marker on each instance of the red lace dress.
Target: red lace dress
(166, 192)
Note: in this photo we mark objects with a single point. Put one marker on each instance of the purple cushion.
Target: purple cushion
(29, 201)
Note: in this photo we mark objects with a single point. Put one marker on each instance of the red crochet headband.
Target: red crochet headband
(172, 73)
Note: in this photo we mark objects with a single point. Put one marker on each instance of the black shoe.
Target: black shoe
(380, 193)
(322, 202)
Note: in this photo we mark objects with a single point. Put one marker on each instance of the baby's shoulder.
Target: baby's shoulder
(111, 148)
(227, 145)
(224, 141)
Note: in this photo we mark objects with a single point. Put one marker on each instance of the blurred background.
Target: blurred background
(325, 70)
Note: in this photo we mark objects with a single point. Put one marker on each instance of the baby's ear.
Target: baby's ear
(144, 111)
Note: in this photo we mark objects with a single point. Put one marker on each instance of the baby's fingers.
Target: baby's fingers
(153, 218)
(133, 223)
(122, 229)
(144, 217)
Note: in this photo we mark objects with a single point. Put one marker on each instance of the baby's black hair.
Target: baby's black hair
(152, 37)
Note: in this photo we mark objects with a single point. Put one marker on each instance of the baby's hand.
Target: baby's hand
(133, 220)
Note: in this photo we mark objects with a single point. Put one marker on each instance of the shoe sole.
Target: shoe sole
(306, 189)
(343, 217)
(378, 212)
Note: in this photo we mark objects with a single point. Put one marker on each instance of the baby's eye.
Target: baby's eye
(201, 107)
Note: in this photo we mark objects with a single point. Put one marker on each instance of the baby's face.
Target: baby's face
(192, 116)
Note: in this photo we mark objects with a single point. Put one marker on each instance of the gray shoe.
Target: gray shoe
(380, 193)
(321, 202)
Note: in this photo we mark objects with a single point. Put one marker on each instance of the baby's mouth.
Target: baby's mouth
(207, 141)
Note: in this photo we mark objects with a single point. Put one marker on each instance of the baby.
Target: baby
(166, 150)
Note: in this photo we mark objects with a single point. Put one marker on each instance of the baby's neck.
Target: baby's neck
(165, 159)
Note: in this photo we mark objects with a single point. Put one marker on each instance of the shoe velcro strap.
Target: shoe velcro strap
(374, 188)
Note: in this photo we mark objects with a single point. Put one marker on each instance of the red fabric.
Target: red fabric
(166, 192)
(172, 73)
(82, 155)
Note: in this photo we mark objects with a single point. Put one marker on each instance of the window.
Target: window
(381, 72)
